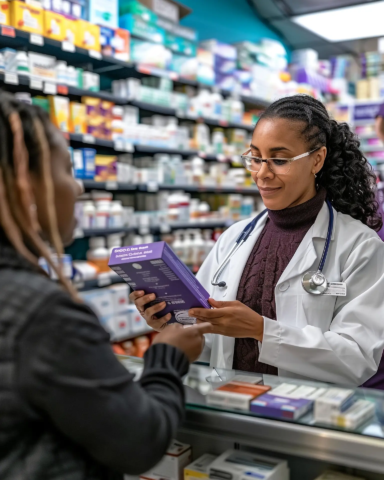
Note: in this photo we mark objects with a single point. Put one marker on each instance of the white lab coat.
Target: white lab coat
(325, 338)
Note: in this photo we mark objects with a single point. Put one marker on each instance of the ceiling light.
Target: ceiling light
(349, 23)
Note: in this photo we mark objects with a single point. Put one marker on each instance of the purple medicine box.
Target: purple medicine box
(281, 407)
(154, 268)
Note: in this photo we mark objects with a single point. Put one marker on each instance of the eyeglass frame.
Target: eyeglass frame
(265, 160)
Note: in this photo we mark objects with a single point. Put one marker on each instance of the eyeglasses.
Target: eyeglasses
(279, 166)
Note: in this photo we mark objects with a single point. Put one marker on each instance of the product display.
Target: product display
(199, 468)
(172, 465)
(155, 268)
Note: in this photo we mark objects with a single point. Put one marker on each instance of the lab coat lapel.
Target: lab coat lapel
(306, 256)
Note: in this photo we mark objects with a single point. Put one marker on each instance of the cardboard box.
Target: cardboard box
(104, 13)
(42, 67)
(139, 28)
(154, 268)
(199, 469)
(105, 168)
(5, 13)
(171, 467)
(137, 323)
(236, 395)
(239, 465)
(281, 407)
(114, 42)
(173, 11)
(70, 33)
(27, 17)
(77, 118)
(333, 402)
(87, 36)
(101, 302)
(54, 26)
(59, 109)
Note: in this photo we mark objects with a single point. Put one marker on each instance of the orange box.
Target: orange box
(27, 17)
(5, 13)
(236, 395)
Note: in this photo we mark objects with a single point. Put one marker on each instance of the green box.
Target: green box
(136, 8)
(142, 29)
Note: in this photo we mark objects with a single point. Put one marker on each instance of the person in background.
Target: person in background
(68, 407)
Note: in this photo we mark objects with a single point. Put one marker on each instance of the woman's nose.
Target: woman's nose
(264, 171)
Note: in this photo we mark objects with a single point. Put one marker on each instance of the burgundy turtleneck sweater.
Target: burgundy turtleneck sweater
(274, 249)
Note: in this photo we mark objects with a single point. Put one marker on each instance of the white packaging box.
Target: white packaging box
(42, 67)
(120, 295)
(121, 326)
(329, 475)
(199, 469)
(101, 302)
(239, 465)
(171, 467)
(331, 403)
(136, 321)
(357, 414)
(289, 390)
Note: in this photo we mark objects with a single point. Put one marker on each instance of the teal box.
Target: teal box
(136, 8)
(180, 45)
(142, 29)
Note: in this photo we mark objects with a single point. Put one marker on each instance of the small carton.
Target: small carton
(236, 395)
(333, 402)
(171, 467)
(240, 465)
(70, 30)
(115, 43)
(100, 300)
(88, 36)
(281, 407)
(199, 469)
(42, 66)
(27, 17)
(154, 268)
(137, 323)
(5, 13)
(77, 118)
(59, 109)
(357, 414)
(105, 168)
(54, 26)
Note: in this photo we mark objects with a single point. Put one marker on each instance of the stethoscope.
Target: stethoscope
(313, 282)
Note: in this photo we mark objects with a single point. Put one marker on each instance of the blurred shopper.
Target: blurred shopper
(68, 408)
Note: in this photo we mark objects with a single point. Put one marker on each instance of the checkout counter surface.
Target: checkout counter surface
(362, 448)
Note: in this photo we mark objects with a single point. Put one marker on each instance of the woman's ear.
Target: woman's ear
(318, 163)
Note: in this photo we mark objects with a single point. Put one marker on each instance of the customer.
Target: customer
(68, 408)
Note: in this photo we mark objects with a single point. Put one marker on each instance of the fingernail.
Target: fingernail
(153, 296)
(192, 313)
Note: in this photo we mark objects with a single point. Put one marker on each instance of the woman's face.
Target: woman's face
(66, 190)
(282, 138)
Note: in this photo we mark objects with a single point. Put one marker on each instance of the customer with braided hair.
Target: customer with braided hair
(263, 319)
(68, 408)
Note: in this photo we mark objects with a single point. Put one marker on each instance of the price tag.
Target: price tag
(36, 39)
(36, 84)
(68, 47)
(144, 69)
(223, 123)
(11, 78)
(62, 89)
(152, 186)
(50, 88)
(128, 147)
(119, 145)
(111, 185)
(95, 54)
(8, 32)
(88, 139)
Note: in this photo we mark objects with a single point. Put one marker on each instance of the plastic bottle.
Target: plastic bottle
(171, 130)
(208, 243)
(198, 250)
(217, 104)
(22, 63)
(178, 245)
(206, 104)
(202, 137)
(71, 76)
(89, 215)
(218, 141)
(187, 247)
(102, 213)
(61, 73)
(142, 345)
(204, 210)
(98, 254)
(184, 207)
(237, 109)
(246, 207)
(194, 209)
(115, 219)
(173, 208)
(114, 241)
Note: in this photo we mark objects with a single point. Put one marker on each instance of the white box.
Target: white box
(171, 467)
(239, 465)
(357, 414)
(42, 67)
(120, 296)
(199, 469)
(332, 402)
(121, 326)
(101, 302)
(136, 321)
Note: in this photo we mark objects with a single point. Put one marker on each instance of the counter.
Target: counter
(362, 449)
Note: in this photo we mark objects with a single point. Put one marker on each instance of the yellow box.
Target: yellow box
(105, 166)
(5, 13)
(77, 118)
(88, 36)
(70, 33)
(27, 17)
(54, 25)
(59, 110)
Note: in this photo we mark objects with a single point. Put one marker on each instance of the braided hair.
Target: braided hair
(27, 138)
(346, 175)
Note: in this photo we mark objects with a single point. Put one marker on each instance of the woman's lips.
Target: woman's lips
(268, 191)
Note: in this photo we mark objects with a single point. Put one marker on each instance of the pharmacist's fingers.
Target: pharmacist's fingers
(159, 324)
(206, 313)
(150, 311)
(133, 296)
(140, 302)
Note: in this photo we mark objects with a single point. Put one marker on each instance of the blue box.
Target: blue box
(84, 163)
(281, 407)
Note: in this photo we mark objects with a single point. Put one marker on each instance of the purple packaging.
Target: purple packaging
(281, 407)
(154, 268)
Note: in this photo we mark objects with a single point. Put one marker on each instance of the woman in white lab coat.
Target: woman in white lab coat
(263, 320)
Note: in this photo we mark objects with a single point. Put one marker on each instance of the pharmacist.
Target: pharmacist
(272, 310)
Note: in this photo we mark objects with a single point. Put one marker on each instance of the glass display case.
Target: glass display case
(310, 445)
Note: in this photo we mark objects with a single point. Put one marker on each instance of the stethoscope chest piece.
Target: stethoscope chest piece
(314, 283)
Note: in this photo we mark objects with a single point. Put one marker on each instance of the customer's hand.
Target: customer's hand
(189, 340)
(140, 300)
(232, 319)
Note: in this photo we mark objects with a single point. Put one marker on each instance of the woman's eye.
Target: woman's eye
(279, 161)
(257, 161)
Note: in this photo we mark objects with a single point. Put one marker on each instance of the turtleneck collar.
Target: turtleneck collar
(300, 217)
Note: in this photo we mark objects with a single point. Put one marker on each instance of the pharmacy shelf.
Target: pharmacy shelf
(170, 151)
(83, 286)
(153, 187)
(372, 148)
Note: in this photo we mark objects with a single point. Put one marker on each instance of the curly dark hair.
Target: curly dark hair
(346, 175)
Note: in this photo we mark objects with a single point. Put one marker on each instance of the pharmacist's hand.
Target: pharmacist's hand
(140, 300)
(189, 340)
(232, 319)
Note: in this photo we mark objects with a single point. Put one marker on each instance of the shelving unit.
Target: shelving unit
(83, 286)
